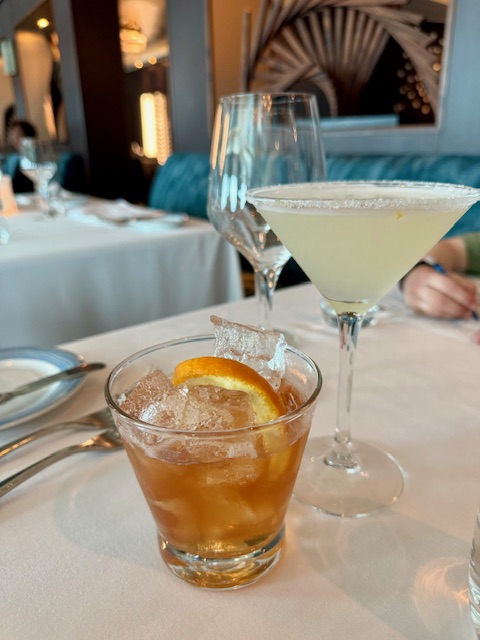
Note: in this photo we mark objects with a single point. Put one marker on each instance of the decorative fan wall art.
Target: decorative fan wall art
(335, 45)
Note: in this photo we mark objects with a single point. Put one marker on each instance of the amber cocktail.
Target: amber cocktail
(218, 493)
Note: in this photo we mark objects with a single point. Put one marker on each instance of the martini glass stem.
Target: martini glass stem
(342, 452)
(265, 283)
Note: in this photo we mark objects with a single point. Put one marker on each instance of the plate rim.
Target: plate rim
(66, 389)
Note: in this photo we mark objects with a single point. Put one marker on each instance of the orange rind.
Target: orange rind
(233, 375)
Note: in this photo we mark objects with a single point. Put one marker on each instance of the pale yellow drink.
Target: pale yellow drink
(355, 240)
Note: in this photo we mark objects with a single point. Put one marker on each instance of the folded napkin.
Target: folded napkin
(121, 212)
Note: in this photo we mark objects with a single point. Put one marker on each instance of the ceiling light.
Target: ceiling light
(132, 39)
(42, 23)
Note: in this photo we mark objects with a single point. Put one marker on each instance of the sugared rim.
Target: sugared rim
(441, 194)
(287, 417)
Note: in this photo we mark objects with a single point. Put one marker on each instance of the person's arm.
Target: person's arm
(472, 248)
(449, 295)
(451, 254)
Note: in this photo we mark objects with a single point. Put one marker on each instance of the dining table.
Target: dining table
(78, 548)
(105, 264)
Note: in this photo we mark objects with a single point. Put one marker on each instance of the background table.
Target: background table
(64, 279)
(78, 550)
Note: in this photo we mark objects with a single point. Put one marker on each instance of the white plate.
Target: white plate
(132, 217)
(168, 220)
(70, 199)
(24, 364)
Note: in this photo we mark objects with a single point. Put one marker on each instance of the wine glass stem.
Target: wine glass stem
(265, 283)
(342, 453)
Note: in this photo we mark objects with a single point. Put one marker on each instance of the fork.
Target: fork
(99, 420)
(106, 441)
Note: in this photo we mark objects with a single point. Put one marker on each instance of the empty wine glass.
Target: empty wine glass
(38, 162)
(260, 140)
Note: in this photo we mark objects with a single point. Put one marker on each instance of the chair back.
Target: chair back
(181, 184)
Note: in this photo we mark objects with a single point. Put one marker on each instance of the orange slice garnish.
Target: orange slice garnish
(233, 375)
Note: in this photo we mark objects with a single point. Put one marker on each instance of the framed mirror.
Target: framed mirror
(442, 36)
(380, 61)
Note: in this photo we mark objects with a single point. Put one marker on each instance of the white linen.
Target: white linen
(63, 279)
(78, 548)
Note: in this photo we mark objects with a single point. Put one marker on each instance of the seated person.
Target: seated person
(449, 295)
(17, 130)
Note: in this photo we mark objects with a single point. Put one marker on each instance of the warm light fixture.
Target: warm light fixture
(156, 134)
(132, 39)
(42, 23)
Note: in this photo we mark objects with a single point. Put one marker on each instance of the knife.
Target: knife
(74, 372)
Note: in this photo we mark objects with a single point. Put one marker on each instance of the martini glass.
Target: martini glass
(258, 140)
(355, 240)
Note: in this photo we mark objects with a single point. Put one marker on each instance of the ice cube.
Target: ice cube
(156, 400)
(261, 349)
(211, 408)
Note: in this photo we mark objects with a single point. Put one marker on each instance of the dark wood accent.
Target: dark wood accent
(94, 91)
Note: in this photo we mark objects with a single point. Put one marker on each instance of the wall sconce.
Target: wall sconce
(9, 59)
(156, 134)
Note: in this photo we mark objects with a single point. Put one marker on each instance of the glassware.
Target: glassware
(259, 140)
(38, 162)
(474, 577)
(330, 317)
(355, 240)
(218, 498)
(4, 230)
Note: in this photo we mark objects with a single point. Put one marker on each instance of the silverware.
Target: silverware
(74, 372)
(99, 420)
(124, 220)
(107, 441)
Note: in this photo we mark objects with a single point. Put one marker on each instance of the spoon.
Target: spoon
(106, 441)
(74, 372)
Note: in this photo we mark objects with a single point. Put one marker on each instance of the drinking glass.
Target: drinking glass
(38, 162)
(474, 577)
(355, 240)
(259, 140)
(218, 498)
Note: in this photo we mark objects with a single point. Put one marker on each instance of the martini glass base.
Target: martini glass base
(374, 484)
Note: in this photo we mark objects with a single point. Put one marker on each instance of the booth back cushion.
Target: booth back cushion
(182, 183)
(452, 169)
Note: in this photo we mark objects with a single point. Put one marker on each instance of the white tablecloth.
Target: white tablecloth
(67, 278)
(78, 551)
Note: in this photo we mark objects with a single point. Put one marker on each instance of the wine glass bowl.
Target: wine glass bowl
(38, 162)
(258, 140)
(355, 240)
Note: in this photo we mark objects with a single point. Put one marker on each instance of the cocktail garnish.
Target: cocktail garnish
(233, 376)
